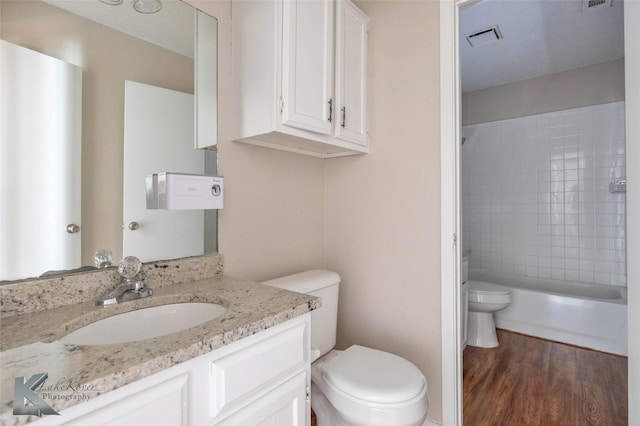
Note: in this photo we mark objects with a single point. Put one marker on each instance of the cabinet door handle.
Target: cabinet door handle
(344, 117)
(330, 110)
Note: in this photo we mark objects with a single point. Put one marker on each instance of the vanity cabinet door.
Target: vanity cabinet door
(351, 73)
(152, 401)
(286, 405)
(253, 369)
(307, 70)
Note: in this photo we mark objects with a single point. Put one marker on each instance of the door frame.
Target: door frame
(450, 205)
(450, 251)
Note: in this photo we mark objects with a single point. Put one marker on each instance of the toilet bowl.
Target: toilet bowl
(363, 386)
(360, 385)
(484, 299)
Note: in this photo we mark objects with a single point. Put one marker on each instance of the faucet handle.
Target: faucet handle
(102, 258)
(129, 267)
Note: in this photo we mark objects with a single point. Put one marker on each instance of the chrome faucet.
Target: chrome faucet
(130, 288)
(133, 289)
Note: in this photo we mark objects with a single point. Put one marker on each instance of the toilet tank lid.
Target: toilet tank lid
(373, 375)
(307, 281)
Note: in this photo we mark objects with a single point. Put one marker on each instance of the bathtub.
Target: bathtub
(587, 315)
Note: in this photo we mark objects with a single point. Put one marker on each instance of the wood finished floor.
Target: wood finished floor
(529, 381)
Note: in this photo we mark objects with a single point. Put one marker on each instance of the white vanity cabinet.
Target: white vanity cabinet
(263, 379)
(299, 75)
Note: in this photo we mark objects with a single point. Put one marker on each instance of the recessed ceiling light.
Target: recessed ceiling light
(112, 2)
(147, 6)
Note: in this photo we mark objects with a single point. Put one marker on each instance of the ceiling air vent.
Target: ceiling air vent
(592, 5)
(486, 36)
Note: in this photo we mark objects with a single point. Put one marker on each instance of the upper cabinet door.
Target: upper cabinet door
(307, 79)
(351, 73)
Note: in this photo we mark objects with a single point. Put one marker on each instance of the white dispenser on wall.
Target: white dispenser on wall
(182, 191)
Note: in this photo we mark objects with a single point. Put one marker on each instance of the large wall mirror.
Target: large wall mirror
(98, 50)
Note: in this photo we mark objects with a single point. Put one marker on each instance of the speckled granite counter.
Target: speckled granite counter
(29, 341)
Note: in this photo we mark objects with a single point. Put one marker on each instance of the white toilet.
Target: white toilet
(484, 299)
(357, 386)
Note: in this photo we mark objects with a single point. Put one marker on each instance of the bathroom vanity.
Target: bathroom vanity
(250, 365)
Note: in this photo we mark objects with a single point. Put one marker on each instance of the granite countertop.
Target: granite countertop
(29, 341)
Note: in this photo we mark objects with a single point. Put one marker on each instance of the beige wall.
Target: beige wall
(108, 58)
(273, 220)
(375, 219)
(383, 209)
(592, 85)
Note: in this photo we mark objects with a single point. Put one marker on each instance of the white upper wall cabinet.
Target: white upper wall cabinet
(299, 76)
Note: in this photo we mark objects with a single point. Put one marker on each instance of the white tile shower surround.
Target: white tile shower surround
(535, 195)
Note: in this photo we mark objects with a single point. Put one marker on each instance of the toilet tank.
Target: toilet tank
(323, 284)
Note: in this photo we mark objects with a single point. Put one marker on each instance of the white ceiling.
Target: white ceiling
(172, 27)
(540, 37)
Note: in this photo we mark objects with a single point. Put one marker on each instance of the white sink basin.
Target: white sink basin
(144, 324)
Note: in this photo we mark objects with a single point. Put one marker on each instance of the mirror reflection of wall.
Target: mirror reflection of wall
(107, 58)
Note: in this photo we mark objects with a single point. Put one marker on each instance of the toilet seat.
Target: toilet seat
(343, 390)
(373, 375)
(482, 292)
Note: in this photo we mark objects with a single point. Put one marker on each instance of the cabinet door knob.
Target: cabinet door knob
(72, 228)
(133, 226)
(344, 117)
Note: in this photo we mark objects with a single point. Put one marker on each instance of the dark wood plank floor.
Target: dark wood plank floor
(530, 381)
